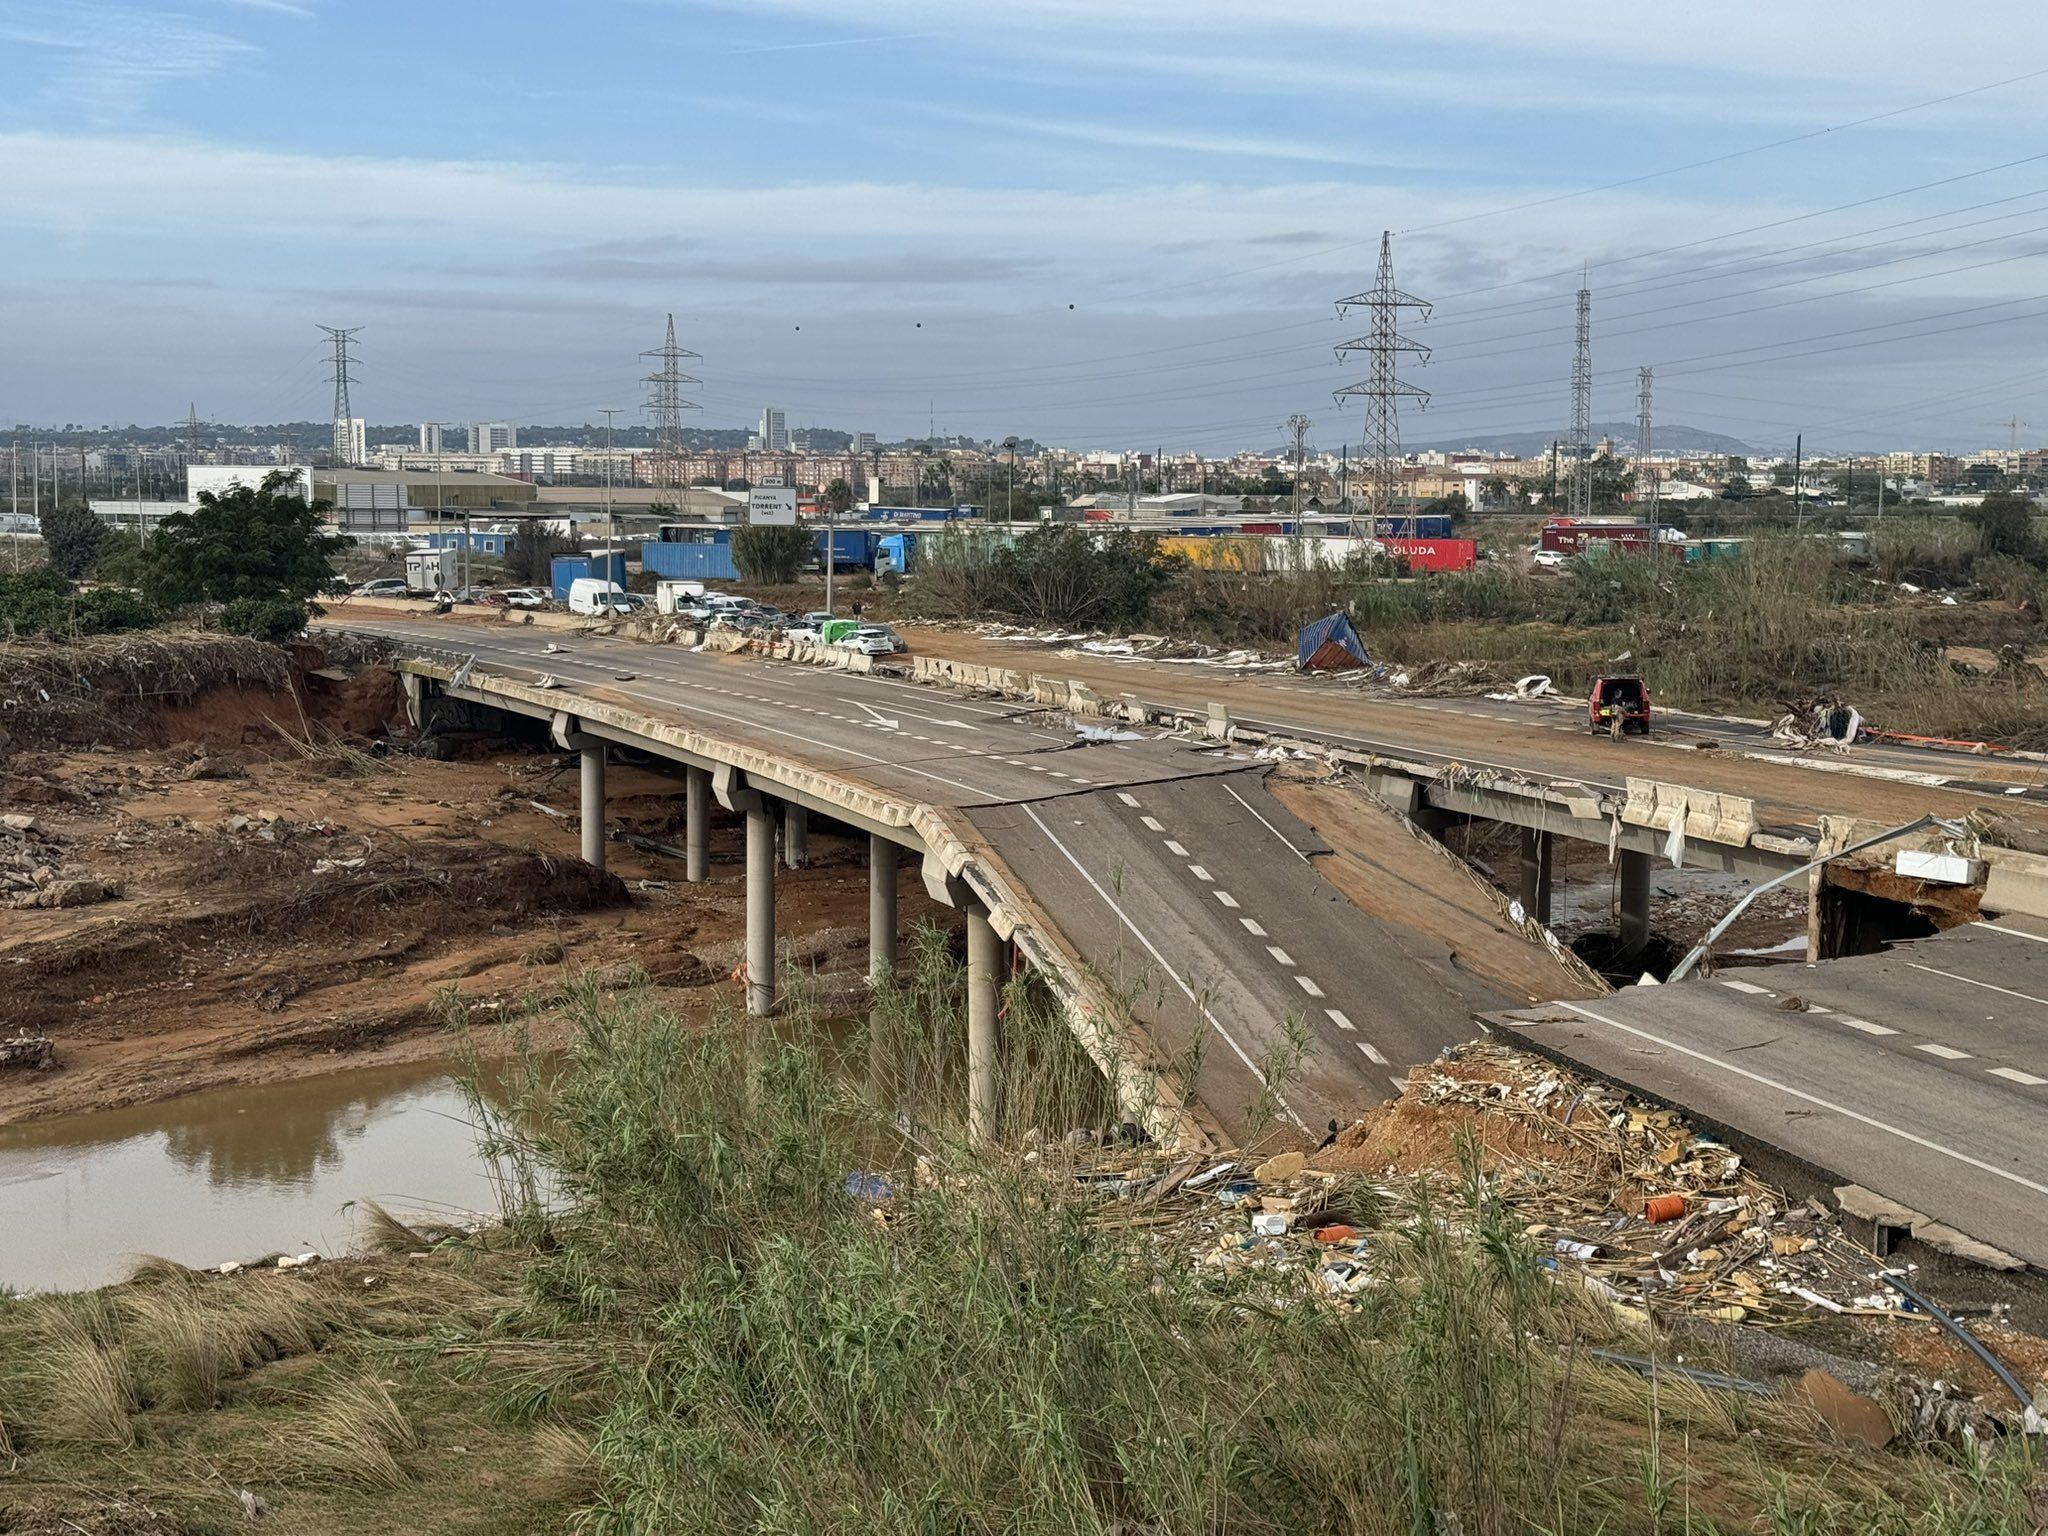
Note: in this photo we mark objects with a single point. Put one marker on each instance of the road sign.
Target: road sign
(772, 504)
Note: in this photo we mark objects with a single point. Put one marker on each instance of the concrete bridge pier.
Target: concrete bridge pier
(881, 949)
(593, 803)
(796, 835)
(1635, 901)
(984, 953)
(1537, 862)
(760, 906)
(697, 824)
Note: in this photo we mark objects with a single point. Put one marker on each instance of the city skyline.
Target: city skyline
(865, 215)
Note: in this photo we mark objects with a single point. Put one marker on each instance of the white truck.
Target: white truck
(430, 570)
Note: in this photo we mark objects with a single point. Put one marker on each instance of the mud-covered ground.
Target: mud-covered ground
(286, 888)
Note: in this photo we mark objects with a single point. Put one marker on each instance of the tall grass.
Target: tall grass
(743, 1342)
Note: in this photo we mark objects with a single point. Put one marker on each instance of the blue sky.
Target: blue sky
(1117, 223)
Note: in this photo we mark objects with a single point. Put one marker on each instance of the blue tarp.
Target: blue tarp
(1329, 645)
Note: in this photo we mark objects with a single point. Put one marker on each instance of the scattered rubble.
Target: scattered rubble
(1664, 1224)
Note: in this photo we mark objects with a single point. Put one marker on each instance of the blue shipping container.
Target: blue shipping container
(479, 543)
(568, 568)
(689, 562)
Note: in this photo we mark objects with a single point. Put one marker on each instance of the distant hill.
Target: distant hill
(1529, 445)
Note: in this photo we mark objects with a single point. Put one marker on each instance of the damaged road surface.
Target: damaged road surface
(1161, 866)
(1920, 1074)
(1199, 899)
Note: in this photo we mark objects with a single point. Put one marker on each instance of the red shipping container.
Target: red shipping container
(1435, 554)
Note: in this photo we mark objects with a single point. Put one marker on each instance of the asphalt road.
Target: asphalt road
(1198, 896)
(1544, 739)
(1920, 1073)
(1166, 867)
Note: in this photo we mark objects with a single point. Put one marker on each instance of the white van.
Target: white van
(595, 595)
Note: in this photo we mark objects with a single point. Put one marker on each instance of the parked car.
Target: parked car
(884, 632)
(383, 586)
(525, 597)
(874, 640)
(595, 595)
(1551, 559)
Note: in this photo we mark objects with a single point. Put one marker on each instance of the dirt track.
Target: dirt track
(279, 915)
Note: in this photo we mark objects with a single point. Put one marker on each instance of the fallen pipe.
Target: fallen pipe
(1974, 1345)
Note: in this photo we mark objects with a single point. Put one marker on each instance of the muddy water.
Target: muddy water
(231, 1173)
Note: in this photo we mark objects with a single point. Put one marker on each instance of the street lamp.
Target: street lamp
(1010, 500)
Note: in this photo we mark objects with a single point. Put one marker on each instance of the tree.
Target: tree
(1782, 476)
(260, 551)
(1737, 489)
(530, 555)
(770, 554)
(838, 498)
(1059, 573)
(2004, 524)
(72, 536)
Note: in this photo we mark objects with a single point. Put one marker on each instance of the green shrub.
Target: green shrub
(266, 618)
(41, 602)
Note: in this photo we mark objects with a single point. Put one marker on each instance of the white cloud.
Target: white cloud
(103, 62)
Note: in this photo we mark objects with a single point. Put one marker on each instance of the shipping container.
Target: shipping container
(1412, 525)
(599, 563)
(1568, 536)
(494, 544)
(706, 560)
(1434, 554)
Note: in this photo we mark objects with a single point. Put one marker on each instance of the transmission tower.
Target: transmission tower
(344, 439)
(193, 427)
(1383, 389)
(1298, 425)
(1646, 477)
(665, 403)
(1579, 489)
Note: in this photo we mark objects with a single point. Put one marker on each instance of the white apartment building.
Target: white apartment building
(492, 436)
(774, 433)
(430, 437)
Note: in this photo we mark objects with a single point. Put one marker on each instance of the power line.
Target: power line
(1383, 390)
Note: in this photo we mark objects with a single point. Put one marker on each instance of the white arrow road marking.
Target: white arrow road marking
(929, 719)
(880, 719)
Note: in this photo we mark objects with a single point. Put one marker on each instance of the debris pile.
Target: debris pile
(1806, 724)
(31, 869)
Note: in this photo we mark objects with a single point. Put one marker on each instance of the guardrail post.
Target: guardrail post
(1537, 863)
(696, 824)
(1635, 900)
(760, 907)
(983, 950)
(593, 804)
(881, 949)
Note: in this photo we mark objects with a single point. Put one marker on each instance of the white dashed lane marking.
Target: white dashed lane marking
(1371, 1054)
(1130, 800)
(2015, 1075)
(1251, 926)
(1175, 849)
(1867, 1027)
(1945, 1052)
(1743, 986)
(1338, 1018)
(1308, 985)
(1280, 955)
(1226, 898)
(1199, 873)
(1152, 824)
